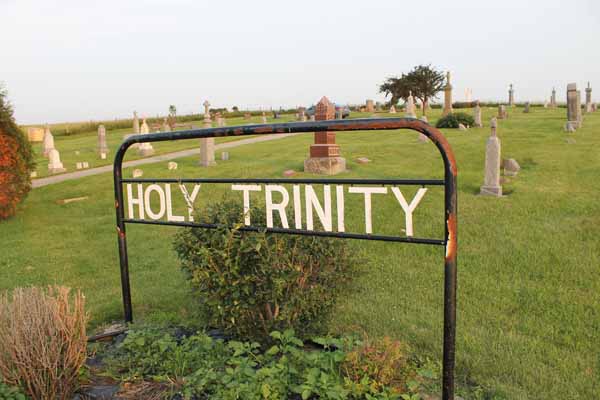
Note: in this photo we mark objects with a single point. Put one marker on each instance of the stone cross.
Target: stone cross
(54, 164)
(511, 96)
(477, 116)
(48, 142)
(325, 153)
(102, 147)
(145, 148)
(588, 98)
(207, 145)
(447, 96)
(491, 181)
(136, 123)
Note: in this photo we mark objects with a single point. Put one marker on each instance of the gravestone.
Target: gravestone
(325, 153)
(579, 114)
(511, 96)
(491, 180)
(145, 148)
(588, 98)
(171, 165)
(410, 106)
(572, 112)
(302, 114)
(370, 106)
(526, 108)
(207, 145)
(338, 113)
(447, 96)
(85, 165)
(553, 98)
(377, 106)
(35, 134)
(102, 147)
(136, 123)
(54, 164)
(165, 126)
(137, 173)
(461, 127)
(312, 117)
(392, 110)
(511, 167)
(477, 116)
(264, 118)
(78, 165)
(48, 143)
(502, 113)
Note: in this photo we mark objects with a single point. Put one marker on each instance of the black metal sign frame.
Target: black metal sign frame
(450, 240)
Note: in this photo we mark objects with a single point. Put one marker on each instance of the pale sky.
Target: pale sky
(90, 60)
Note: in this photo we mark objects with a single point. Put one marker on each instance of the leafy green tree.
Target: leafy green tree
(424, 82)
(172, 110)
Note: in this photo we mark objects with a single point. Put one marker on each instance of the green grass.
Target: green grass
(528, 294)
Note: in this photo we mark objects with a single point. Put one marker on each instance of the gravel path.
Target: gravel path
(154, 159)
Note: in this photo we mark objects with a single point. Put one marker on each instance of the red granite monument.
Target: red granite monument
(325, 153)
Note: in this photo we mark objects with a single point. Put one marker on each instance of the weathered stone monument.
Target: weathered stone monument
(410, 106)
(491, 180)
(48, 142)
(477, 116)
(165, 125)
(553, 98)
(526, 108)
(511, 167)
(502, 113)
(511, 96)
(54, 164)
(588, 98)
(145, 149)
(572, 112)
(370, 106)
(447, 96)
(35, 134)
(102, 147)
(207, 145)
(324, 153)
(136, 123)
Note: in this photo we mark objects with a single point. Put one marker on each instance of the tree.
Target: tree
(424, 82)
(16, 161)
(172, 118)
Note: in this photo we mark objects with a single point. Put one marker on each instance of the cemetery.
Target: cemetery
(423, 243)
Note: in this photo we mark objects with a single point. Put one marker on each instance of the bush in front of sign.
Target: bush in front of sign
(252, 283)
(16, 161)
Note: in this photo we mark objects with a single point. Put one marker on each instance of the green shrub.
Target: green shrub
(252, 283)
(10, 393)
(452, 120)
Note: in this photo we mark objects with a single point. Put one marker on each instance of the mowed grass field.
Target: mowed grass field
(529, 263)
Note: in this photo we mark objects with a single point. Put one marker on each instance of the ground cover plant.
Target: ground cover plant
(527, 294)
(453, 120)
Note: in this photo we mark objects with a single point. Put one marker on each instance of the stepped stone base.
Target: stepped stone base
(325, 165)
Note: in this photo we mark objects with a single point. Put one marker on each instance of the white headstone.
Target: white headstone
(102, 147)
(48, 143)
(172, 165)
(54, 164)
(145, 148)
(136, 123)
(137, 173)
(491, 181)
(477, 116)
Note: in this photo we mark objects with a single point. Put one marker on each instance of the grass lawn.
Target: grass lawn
(528, 294)
(86, 143)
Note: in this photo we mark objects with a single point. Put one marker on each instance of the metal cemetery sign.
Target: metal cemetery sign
(293, 206)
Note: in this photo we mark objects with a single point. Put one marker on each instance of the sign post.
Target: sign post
(139, 199)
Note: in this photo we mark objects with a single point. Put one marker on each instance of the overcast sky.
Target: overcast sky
(81, 60)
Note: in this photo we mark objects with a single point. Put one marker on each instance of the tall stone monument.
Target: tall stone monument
(410, 106)
(572, 118)
(145, 148)
(477, 115)
(207, 145)
(48, 142)
(588, 98)
(511, 96)
(370, 106)
(491, 181)
(553, 98)
(136, 123)
(325, 153)
(102, 147)
(447, 96)
(54, 164)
